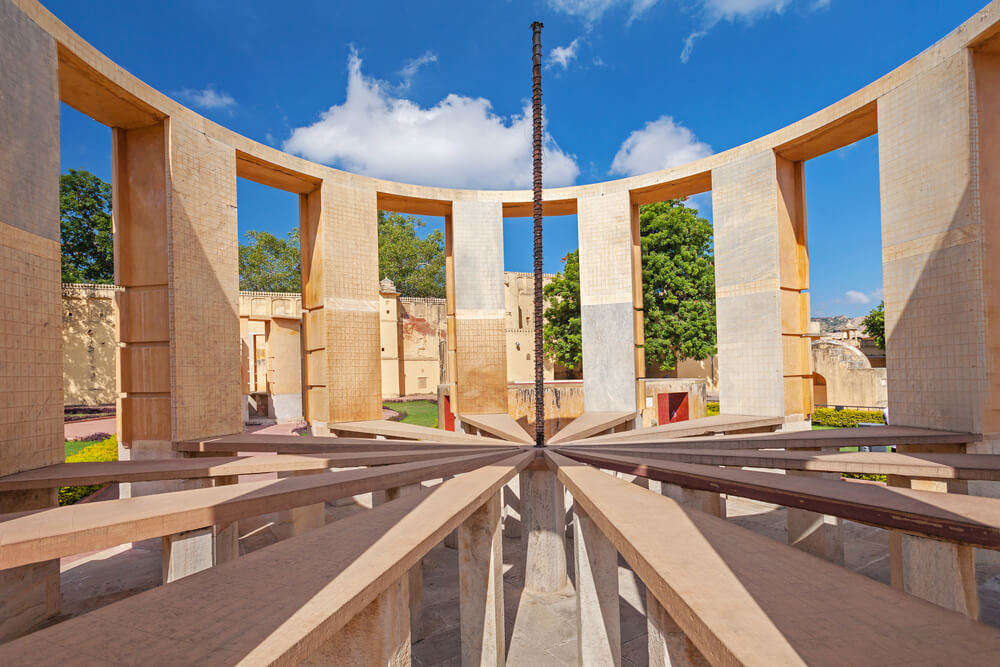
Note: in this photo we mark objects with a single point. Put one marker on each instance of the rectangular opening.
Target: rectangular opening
(270, 310)
(89, 312)
(845, 277)
(675, 329)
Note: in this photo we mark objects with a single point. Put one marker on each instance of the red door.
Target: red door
(672, 407)
(449, 416)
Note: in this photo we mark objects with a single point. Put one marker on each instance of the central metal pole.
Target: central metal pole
(536, 154)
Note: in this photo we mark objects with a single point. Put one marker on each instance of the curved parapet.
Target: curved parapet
(91, 83)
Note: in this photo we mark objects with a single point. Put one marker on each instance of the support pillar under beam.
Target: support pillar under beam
(941, 572)
(378, 635)
(819, 534)
(543, 512)
(668, 645)
(299, 520)
(416, 574)
(598, 619)
(480, 577)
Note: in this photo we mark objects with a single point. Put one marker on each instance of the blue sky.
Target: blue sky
(435, 92)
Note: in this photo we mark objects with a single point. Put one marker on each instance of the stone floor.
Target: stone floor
(540, 629)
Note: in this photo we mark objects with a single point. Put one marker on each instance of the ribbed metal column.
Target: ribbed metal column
(536, 153)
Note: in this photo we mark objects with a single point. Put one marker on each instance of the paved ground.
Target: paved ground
(81, 429)
(540, 629)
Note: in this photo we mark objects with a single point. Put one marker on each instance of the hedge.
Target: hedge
(101, 452)
(846, 418)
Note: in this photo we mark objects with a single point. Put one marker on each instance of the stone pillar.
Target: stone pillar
(30, 297)
(477, 324)
(512, 508)
(668, 645)
(416, 574)
(175, 257)
(227, 536)
(761, 283)
(299, 520)
(941, 572)
(598, 619)
(188, 552)
(543, 513)
(939, 154)
(342, 364)
(30, 594)
(608, 306)
(696, 499)
(378, 635)
(480, 576)
(819, 534)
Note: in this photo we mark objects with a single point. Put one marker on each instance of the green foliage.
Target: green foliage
(874, 324)
(874, 477)
(270, 264)
(421, 413)
(103, 451)
(561, 333)
(678, 284)
(85, 228)
(415, 265)
(712, 409)
(846, 418)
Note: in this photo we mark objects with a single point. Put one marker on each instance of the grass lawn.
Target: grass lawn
(421, 413)
(73, 447)
(821, 427)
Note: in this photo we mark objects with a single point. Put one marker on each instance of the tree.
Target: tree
(678, 284)
(415, 265)
(563, 340)
(270, 264)
(874, 324)
(85, 228)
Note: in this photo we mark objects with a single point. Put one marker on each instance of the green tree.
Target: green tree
(415, 265)
(678, 281)
(85, 228)
(678, 284)
(270, 264)
(874, 324)
(561, 334)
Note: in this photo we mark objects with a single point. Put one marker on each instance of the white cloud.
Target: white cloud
(562, 55)
(591, 11)
(413, 66)
(854, 296)
(714, 11)
(458, 142)
(209, 98)
(661, 144)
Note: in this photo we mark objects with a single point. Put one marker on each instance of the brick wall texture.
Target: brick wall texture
(932, 247)
(30, 295)
(606, 300)
(349, 237)
(748, 304)
(204, 286)
(480, 332)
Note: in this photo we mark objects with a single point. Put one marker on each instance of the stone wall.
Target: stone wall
(846, 377)
(89, 344)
